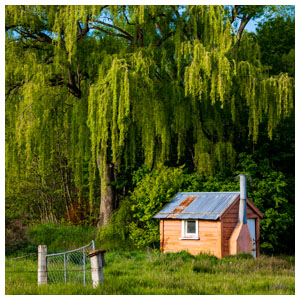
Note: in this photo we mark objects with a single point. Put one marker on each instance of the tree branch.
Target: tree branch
(158, 43)
(178, 18)
(127, 19)
(115, 27)
(234, 13)
(10, 27)
(243, 24)
(159, 28)
(85, 30)
(72, 86)
(111, 33)
(14, 87)
(39, 36)
(140, 35)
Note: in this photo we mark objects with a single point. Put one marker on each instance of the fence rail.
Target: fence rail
(91, 244)
(69, 266)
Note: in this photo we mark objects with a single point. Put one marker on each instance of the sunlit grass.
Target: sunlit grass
(156, 274)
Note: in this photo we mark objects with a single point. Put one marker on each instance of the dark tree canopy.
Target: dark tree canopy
(276, 39)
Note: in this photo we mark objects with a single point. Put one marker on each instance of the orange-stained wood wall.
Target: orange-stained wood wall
(213, 235)
(209, 234)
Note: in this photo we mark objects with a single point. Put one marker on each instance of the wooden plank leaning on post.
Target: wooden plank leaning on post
(97, 264)
(42, 264)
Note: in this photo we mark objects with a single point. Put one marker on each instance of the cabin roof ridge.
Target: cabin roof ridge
(198, 205)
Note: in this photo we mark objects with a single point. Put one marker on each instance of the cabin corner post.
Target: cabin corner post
(222, 239)
(219, 239)
(162, 234)
(42, 264)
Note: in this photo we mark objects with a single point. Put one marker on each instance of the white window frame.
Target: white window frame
(189, 236)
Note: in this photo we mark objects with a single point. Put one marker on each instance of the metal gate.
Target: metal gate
(70, 266)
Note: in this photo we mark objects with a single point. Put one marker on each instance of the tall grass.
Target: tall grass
(150, 272)
(61, 237)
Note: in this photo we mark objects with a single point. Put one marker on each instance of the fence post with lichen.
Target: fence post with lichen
(42, 264)
(97, 264)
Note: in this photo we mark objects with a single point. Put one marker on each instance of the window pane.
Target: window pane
(191, 227)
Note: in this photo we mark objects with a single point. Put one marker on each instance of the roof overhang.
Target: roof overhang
(183, 208)
(258, 212)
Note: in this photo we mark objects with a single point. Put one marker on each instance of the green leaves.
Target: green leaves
(276, 39)
(151, 193)
(88, 86)
(277, 228)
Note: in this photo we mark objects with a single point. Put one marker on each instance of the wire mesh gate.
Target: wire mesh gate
(70, 266)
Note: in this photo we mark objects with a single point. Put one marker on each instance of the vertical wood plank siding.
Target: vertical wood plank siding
(161, 231)
(229, 221)
(210, 235)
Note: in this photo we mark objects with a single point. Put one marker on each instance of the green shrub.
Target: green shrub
(207, 257)
(153, 191)
(275, 225)
(183, 255)
(61, 237)
(21, 248)
(115, 236)
(239, 256)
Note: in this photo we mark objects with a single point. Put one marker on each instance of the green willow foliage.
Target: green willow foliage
(149, 79)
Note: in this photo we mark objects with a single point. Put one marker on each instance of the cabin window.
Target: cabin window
(189, 229)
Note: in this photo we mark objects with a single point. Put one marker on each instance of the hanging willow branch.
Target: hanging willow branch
(177, 81)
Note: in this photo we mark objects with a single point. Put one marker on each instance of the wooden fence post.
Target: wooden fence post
(42, 264)
(97, 264)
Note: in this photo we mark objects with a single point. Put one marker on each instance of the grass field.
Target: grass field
(154, 273)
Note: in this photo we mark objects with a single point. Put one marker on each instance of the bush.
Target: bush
(61, 237)
(149, 196)
(276, 229)
(183, 255)
(207, 257)
(115, 236)
(239, 256)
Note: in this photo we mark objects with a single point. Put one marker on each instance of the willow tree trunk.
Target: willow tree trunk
(108, 194)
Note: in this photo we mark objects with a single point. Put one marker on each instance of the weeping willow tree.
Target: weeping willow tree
(92, 88)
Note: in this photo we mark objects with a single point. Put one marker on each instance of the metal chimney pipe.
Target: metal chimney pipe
(243, 199)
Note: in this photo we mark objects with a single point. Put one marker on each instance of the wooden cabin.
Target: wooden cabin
(218, 223)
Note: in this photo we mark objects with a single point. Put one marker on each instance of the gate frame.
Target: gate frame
(42, 261)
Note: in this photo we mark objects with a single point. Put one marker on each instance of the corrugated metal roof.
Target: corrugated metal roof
(200, 205)
(182, 206)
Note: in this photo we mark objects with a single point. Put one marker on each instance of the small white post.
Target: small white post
(97, 264)
(42, 264)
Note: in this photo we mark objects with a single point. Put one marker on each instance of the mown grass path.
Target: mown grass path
(153, 273)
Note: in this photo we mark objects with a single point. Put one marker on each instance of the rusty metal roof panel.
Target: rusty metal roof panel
(173, 204)
(198, 216)
(197, 205)
(182, 206)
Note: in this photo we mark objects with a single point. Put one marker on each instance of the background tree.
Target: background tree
(276, 39)
(93, 92)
